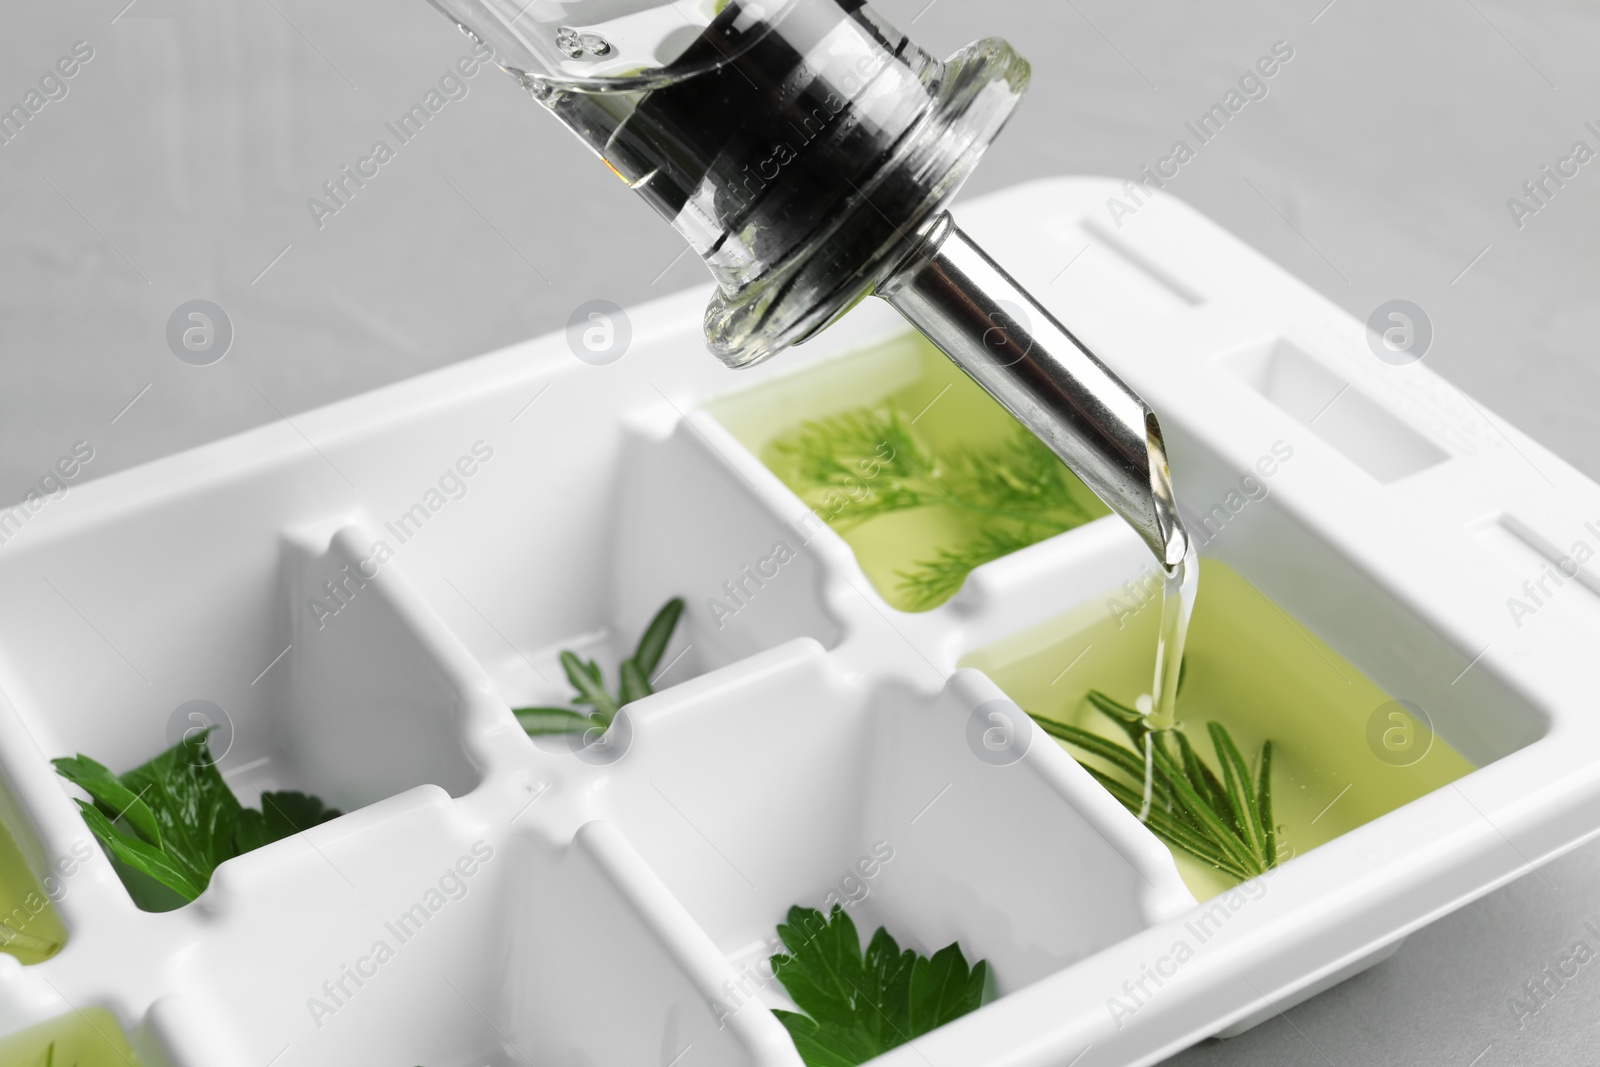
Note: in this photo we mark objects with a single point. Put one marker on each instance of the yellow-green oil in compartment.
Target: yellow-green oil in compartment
(88, 1038)
(30, 929)
(945, 410)
(1250, 668)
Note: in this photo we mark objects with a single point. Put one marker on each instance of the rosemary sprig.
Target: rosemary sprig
(586, 677)
(1224, 821)
(866, 463)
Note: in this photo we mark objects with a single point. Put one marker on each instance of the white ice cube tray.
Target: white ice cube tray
(545, 907)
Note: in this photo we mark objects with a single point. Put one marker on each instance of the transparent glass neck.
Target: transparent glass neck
(605, 45)
(794, 145)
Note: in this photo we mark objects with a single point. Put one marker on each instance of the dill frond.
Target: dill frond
(869, 462)
(936, 580)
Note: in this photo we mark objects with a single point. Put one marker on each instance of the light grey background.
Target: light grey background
(179, 165)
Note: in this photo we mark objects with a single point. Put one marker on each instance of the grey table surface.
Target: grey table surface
(180, 160)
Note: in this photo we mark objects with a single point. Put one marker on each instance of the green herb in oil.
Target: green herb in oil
(870, 462)
(1223, 820)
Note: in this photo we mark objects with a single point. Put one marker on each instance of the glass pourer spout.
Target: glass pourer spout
(806, 150)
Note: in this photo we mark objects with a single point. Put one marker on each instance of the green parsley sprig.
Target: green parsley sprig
(175, 819)
(854, 1005)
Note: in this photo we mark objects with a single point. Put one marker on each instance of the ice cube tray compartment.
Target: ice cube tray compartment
(992, 601)
(655, 967)
(380, 698)
(530, 502)
(697, 516)
(931, 401)
(871, 796)
(436, 951)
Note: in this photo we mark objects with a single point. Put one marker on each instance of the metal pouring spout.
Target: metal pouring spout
(964, 302)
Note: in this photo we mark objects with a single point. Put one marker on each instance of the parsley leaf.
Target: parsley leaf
(193, 806)
(282, 815)
(859, 1005)
(174, 819)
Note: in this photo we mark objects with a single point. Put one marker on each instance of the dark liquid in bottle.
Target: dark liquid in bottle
(781, 124)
